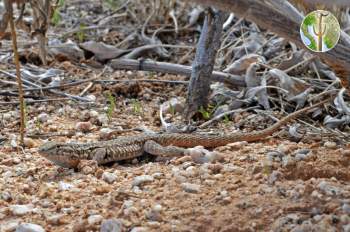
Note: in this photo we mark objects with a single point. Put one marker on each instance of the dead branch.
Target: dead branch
(263, 15)
(18, 73)
(163, 67)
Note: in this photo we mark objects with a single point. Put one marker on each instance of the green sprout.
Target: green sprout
(137, 107)
(56, 17)
(206, 113)
(111, 105)
(81, 34)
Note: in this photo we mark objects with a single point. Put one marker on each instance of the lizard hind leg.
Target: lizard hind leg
(154, 148)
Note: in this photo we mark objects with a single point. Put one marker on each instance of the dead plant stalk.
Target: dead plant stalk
(18, 74)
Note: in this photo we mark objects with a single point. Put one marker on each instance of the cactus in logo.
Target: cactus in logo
(321, 29)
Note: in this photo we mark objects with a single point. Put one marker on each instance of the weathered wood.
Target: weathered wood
(163, 67)
(203, 64)
(330, 2)
(267, 17)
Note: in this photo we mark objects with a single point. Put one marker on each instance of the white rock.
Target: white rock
(111, 225)
(328, 189)
(139, 229)
(43, 117)
(93, 114)
(142, 179)
(103, 119)
(300, 156)
(63, 186)
(9, 226)
(346, 228)
(28, 227)
(128, 203)
(6, 116)
(237, 145)
(191, 188)
(109, 177)
(330, 145)
(157, 208)
(95, 219)
(346, 208)
(20, 210)
(91, 97)
(158, 175)
(201, 155)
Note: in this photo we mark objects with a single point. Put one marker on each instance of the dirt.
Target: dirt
(263, 186)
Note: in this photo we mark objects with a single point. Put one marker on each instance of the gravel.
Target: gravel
(139, 180)
(191, 188)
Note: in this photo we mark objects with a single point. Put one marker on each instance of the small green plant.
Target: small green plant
(38, 124)
(56, 17)
(226, 119)
(137, 107)
(172, 109)
(207, 113)
(113, 4)
(81, 33)
(111, 105)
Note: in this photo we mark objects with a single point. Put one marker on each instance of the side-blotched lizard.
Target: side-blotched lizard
(168, 144)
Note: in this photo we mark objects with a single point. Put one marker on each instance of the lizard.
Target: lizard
(168, 144)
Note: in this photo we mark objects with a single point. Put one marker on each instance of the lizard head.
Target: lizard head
(61, 154)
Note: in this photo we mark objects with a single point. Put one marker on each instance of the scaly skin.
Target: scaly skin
(127, 147)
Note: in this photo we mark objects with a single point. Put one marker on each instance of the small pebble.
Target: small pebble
(9, 226)
(345, 219)
(43, 117)
(142, 179)
(200, 155)
(346, 208)
(29, 227)
(109, 177)
(83, 126)
(103, 119)
(328, 189)
(30, 143)
(345, 152)
(274, 177)
(154, 215)
(20, 210)
(106, 133)
(346, 228)
(94, 219)
(274, 156)
(91, 97)
(191, 188)
(300, 157)
(55, 219)
(93, 114)
(139, 229)
(111, 225)
(237, 145)
(63, 186)
(233, 168)
(6, 196)
(330, 145)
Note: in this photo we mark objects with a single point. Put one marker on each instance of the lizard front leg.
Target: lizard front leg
(154, 148)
